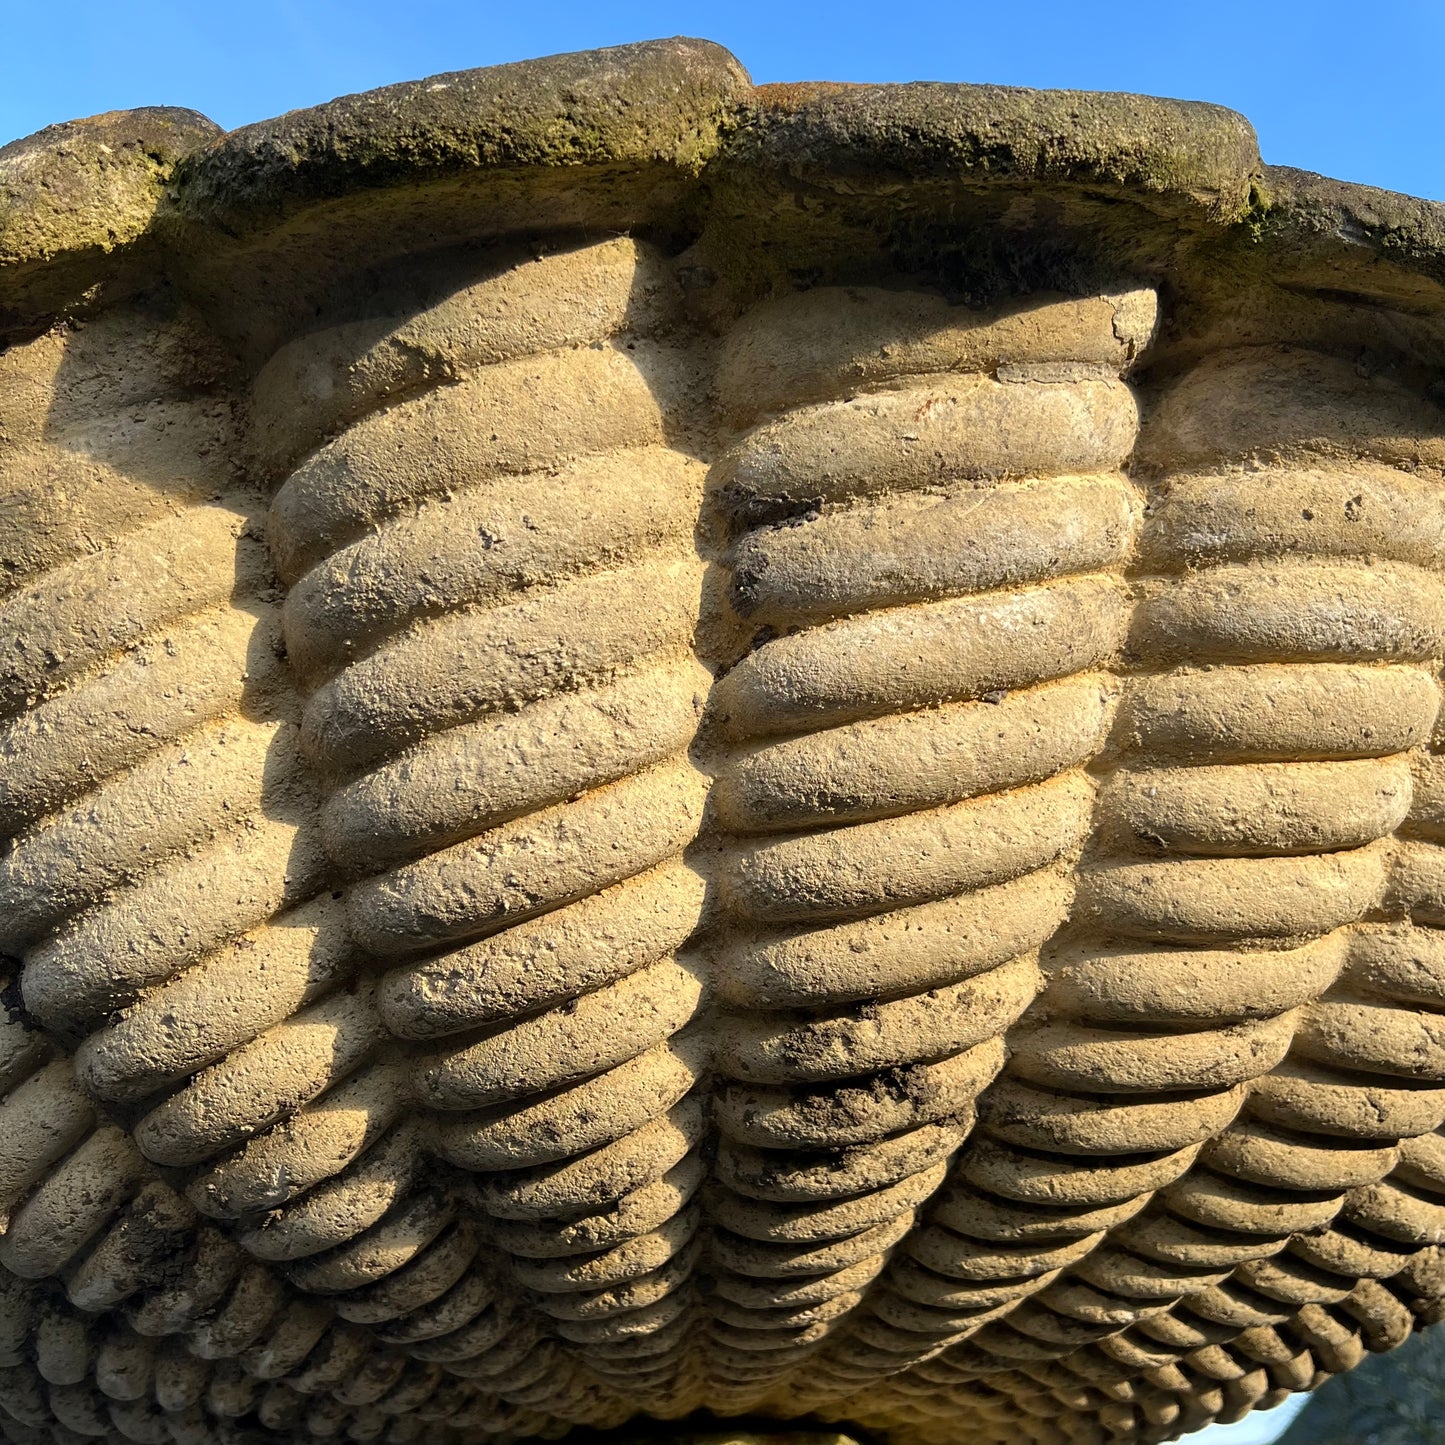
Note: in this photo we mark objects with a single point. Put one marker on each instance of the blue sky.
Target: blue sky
(1352, 90)
(1262, 1427)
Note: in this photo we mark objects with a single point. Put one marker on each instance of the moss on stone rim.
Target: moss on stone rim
(91, 184)
(163, 180)
(663, 102)
(1202, 155)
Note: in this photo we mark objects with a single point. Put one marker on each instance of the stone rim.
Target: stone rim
(685, 107)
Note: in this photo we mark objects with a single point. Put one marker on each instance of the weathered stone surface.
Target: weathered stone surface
(676, 751)
(91, 184)
(663, 102)
(75, 194)
(834, 136)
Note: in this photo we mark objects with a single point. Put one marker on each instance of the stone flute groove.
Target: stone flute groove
(522, 637)
(670, 749)
(967, 812)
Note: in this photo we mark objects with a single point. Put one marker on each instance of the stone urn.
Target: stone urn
(688, 760)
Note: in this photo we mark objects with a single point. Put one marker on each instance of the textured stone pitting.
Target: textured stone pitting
(911, 862)
(672, 751)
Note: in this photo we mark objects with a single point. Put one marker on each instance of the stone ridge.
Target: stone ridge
(93, 183)
(1202, 155)
(659, 102)
(1301, 205)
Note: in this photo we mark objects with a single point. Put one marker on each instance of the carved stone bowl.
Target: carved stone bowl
(713, 755)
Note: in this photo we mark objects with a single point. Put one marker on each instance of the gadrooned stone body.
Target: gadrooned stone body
(670, 748)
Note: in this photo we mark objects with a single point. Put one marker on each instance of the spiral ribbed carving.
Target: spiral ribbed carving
(924, 576)
(180, 981)
(1225, 1098)
(494, 590)
(185, 810)
(1257, 1227)
(572, 852)
(156, 808)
